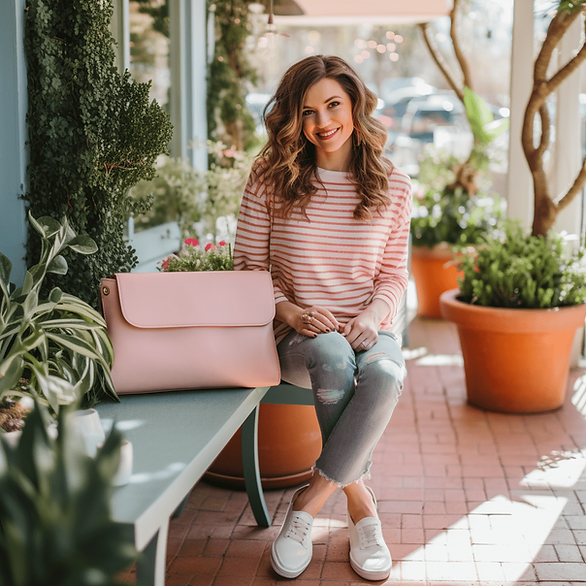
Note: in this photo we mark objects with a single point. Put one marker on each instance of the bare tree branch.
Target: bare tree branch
(456, 44)
(545, 131)
(574, 190)
(557, 27)
(567, 69)
(440, 61)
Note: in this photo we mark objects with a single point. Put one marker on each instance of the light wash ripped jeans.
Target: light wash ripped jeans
(354, 393)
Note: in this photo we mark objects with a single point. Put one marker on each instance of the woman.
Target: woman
(329, 216)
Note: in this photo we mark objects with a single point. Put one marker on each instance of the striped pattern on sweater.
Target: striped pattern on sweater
(328, 259)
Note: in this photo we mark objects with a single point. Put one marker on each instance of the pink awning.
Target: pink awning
(353, 11)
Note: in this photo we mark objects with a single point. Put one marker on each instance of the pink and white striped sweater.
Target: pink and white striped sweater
(329, 258)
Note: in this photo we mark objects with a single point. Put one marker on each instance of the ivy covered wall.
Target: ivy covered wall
(92, 134)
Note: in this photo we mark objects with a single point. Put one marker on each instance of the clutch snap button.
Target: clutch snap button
(105, 291)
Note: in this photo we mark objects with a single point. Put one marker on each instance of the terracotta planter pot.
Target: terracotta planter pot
(289, 443)
(433, 275)
(516, 360)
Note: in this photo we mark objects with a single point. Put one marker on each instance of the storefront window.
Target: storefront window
(149, 47)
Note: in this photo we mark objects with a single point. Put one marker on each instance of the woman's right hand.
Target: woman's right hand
(310, 321)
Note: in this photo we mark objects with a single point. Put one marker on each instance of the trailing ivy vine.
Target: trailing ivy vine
(93, 133)
(229, 72)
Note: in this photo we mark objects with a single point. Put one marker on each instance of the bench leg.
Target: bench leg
(181, 507)
(251, 471)
(150, 568)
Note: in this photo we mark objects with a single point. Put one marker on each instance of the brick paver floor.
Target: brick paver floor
(467, 497)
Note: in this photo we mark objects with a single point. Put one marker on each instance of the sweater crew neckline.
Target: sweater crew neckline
(333, 174)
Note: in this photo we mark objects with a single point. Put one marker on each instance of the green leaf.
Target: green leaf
(69, 323)
(74, 343)
(55, 295)
(58, 266)
(36, 225)
(5, 270)
(495, 128)
(10, 372)
(49, 225)
(478, 114)
(83, 245)
(28, 284)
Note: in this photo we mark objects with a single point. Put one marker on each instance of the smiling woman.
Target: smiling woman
(329, 216)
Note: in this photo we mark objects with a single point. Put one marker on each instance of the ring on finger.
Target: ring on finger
(363, 344)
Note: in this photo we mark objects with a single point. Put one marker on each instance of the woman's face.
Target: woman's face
(328, 124)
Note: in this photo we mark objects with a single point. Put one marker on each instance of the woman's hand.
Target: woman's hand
(310, 321)
(362, 330)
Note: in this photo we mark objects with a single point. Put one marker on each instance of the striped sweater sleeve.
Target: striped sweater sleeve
(252, 243)
(391, 282)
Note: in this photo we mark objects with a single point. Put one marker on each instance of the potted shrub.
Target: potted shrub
(57, 349)
(522, 297)
(446, 216)
(520, 302)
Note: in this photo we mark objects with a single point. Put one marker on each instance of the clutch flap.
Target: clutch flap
(190, 299)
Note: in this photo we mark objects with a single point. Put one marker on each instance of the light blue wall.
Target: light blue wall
(13, 153)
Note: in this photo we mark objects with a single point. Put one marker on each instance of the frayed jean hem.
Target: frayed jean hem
(364, 476)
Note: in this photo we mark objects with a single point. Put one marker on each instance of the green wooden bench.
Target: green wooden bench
(175, 438)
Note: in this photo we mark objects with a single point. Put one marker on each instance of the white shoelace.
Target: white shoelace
(298, 529)
(369, 535)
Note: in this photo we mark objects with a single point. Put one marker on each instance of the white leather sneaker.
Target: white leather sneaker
(370, 557)
(292, 550)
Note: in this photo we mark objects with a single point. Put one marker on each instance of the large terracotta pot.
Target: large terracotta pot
(515, 360)
(433, 275)
(289, 443)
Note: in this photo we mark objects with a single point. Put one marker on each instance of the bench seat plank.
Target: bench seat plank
(175, 437)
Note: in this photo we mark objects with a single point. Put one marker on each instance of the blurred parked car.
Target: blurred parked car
(397, 101)
(423, 115)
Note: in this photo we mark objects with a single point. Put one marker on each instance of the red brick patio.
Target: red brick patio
(467, 497)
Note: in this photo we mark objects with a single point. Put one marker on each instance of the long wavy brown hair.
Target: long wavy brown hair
(288, 161)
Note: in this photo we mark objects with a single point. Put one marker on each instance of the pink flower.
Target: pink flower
(210, 246)
(230, 153)
(222, 243)
(191, 242)
(165, 264)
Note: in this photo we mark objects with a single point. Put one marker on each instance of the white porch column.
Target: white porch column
(567, 154)
(519, 191)
(188, 74)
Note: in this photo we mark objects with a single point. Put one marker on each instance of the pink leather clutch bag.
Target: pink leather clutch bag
(191, 330)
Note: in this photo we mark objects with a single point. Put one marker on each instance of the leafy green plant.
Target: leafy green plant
(58, 345)
(55, 521)
(456, 206)
(193, 257)
(229, 73)
(523, 271)
(196, 199)
(92, 134)
(175, 194)
(453, 216)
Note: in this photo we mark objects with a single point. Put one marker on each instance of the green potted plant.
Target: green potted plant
(55, 523)
(522, 297)
(520, 301)
(56, 349)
